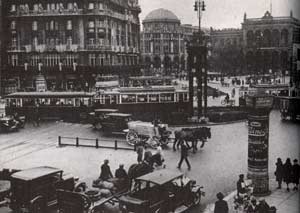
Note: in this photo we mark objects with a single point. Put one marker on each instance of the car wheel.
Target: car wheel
(132, 137)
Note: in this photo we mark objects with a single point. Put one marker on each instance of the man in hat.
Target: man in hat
(240, 185)
(262, 207)
(105, 171)
(221, 206)
(122, 177)
(295, 174)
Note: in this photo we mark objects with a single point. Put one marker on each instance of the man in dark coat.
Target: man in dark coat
(263, 207)
(240, 185)
(295, 174)
(221, 205)
(105, 171)
(122, 177)
(287, 173)
(279, 173)
(184, 156)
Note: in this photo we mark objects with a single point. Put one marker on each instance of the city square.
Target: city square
(184, 107)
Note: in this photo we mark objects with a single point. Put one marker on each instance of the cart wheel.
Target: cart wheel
(132, 137)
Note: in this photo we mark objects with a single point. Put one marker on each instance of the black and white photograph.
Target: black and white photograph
(149, 106)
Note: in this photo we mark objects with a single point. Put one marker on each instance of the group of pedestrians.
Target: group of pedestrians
(287, 173)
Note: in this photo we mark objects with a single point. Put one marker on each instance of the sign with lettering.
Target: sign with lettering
(259, 102)
(258, 148)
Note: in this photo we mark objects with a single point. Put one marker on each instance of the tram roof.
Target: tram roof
(151, 78)
(49, 95)
(148, 89)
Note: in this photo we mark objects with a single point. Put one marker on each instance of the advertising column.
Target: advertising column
(258, 143)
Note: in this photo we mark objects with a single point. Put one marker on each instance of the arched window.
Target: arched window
(250, 38)
(284, 36)
(275, 38)
(267, 38)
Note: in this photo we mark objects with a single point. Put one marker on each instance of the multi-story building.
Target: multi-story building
(69, 42)
(268, 43)
(163, 40)
(226, 49)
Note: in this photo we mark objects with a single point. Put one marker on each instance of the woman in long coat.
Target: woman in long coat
(279, 172)
(287, 173)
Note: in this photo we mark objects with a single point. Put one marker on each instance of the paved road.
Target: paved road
(216, 167)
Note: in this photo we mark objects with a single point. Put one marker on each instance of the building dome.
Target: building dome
(161, 14)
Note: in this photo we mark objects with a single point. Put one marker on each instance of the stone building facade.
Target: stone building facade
(69, 42)
(163, 40)
(268, 43)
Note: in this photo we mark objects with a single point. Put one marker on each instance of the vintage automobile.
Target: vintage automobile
(34, 190)
(115, 122)
(98, 116)
(161, 191)
(8, 124)
(146, 131)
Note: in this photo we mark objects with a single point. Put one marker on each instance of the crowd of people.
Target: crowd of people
(287, 173)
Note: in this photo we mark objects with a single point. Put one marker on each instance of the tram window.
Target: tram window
(185, 97)
(180, 95)
(128, 98)
(142, 98)
(168, 97)
(153, 98)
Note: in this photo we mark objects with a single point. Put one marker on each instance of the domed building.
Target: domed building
(163, 41)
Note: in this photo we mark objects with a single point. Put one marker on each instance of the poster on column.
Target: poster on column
(258, 144)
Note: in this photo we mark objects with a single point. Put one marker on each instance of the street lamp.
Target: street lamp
(199, 7)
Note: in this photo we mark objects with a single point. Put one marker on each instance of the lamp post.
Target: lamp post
(199, 7)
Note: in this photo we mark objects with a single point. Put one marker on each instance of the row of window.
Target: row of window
(143, 98)
(104, 60)
(71, 6)
(47, 60)
(52, 25)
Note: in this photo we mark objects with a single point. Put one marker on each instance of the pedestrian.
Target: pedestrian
(122, 177)
(252, 208)
(221, 206)
(279, 173)
(147, 155)
(295, 174)
(241, 186)
(263, 206)
(139, 151)
(287, 173)
(36, 115)
(105, 173)
(184, 156)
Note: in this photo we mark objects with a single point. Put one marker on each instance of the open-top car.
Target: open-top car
(115, 122)
(98, 116)
(161, 191)
(35, 188)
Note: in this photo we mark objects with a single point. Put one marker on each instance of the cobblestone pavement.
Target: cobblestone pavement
(216, 166)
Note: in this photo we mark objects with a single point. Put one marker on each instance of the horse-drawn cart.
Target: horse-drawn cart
(146, 131)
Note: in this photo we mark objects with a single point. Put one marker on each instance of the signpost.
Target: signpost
(258, 142)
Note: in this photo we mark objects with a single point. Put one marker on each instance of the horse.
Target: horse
(192, 135)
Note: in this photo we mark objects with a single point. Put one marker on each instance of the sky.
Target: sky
(222, 13)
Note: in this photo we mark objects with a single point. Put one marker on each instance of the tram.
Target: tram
(290, 108)
(51, 105)
(162, 100)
